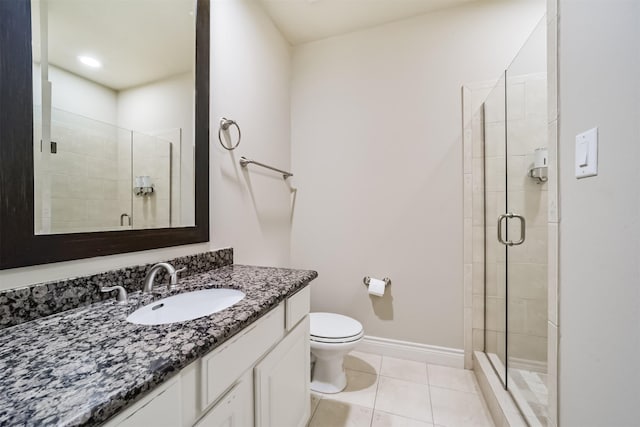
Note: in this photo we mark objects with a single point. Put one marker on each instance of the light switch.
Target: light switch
(587, 153)
(582, 154)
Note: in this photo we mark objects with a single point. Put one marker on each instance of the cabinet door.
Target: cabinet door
(282, 382)
(234, 409)
(164, 409)
(222, 367)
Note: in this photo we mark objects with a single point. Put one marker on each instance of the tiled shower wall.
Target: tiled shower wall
(527, 274)
(473, 97)
(78, 186)
(87, 184)
(527, 266)
(528, 263)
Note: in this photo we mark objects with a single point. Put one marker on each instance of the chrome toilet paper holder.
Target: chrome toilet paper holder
(367, 280)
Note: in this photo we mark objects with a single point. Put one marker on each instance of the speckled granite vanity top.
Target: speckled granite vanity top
(81, 366)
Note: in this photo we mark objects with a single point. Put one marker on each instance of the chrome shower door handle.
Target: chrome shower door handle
(523, 230)
(500, 218)
(523, 224)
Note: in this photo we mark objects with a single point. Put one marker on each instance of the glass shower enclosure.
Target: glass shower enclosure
(514, 119)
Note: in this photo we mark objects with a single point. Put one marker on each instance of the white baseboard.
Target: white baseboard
(453, 357)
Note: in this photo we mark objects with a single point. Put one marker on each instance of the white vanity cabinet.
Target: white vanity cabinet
(259, 377)
(282, 382)
(235, 409)
(161, 408)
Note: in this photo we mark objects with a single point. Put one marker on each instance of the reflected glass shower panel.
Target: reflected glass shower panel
(152, 166)
(80, 167)
(86, 175)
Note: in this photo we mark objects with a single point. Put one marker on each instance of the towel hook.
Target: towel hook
(225, 124)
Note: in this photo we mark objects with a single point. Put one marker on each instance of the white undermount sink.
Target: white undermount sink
(187, 306)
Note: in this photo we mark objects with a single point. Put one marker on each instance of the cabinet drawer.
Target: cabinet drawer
(222, 367)
(298, 306)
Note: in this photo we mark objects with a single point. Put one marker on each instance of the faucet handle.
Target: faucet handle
(122, 293)
(173, 280)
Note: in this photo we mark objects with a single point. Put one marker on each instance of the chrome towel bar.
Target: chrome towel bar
(244, 162)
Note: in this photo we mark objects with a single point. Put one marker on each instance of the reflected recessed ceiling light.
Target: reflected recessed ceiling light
(90, 62)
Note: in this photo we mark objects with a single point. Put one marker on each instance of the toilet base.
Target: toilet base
(329, 346)
(328, 376)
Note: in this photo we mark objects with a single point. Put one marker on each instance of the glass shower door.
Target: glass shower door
(525, 227)
(514, 123)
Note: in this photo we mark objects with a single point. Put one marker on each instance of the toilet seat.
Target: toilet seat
(337, 340)
(334, 328)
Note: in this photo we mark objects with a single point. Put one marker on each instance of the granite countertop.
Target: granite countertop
(82, 366)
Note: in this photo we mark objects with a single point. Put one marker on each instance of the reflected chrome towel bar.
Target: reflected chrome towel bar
(244, 162)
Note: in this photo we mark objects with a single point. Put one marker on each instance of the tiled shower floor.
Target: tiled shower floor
(529, 389)
(384, 391)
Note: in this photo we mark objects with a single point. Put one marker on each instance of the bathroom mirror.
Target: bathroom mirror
(104, 127)
(113, 114)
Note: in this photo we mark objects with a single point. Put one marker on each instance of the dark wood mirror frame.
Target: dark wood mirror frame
(19, 245)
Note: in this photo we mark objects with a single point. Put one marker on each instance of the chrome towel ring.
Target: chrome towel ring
(225, 124)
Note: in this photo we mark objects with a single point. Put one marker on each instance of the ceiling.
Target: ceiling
(141, 41)
(137, 41)
(302, 21)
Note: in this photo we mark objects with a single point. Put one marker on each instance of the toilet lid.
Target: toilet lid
(332, 325)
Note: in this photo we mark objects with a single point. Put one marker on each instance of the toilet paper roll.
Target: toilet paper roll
(376, 287)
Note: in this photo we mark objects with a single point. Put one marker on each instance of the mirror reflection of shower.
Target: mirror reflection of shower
(113, 120)
(99, 177)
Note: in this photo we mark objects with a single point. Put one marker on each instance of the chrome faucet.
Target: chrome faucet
(151, 275)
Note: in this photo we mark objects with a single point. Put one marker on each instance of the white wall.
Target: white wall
(251, 76)
(599, 288)
(250, 72)
(77, 95)
(377, 153)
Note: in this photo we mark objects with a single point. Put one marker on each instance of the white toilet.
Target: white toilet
(332, 337)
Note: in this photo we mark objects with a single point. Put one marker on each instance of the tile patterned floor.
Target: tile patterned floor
(388, 392)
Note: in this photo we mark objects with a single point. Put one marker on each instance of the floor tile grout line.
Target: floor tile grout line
(404, 416)
(433, 418)
(455, 389)
(316, 408)
(404, 379)
(375, 398)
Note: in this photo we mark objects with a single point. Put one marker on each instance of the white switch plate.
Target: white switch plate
(587, 154)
